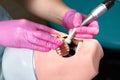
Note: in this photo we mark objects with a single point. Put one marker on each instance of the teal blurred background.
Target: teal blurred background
(109, 22)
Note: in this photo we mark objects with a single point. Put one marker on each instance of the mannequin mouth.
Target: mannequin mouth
(68, 50)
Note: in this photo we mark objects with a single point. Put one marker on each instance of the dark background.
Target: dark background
(109, 66)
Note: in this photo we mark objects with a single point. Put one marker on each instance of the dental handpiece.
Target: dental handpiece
(95, 13)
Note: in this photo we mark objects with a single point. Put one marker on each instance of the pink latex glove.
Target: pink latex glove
(73, 19)
(26, 34)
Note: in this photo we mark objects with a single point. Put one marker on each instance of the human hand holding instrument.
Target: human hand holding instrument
(97, 12)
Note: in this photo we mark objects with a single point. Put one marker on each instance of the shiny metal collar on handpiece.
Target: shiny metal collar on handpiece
(98, 11)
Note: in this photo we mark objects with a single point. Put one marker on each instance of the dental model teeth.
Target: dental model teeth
(64, 49)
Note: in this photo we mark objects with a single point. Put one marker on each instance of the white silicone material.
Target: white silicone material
(17, 64)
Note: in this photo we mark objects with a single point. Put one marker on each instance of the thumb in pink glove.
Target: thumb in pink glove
(73, 19)
(26, 34)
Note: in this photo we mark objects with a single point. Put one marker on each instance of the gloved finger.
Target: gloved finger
(47, 37)
(45, 28)
(85, 36)
(87, 30)
(84, 16)
(94, 24)
(77, 20)
(37, 38)
(44, 43)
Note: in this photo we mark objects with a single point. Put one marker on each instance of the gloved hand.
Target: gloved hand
(73, 19)
(26, 34)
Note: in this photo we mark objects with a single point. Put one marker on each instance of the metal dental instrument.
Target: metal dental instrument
(97, 12)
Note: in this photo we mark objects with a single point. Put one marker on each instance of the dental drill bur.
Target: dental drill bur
(95, 13)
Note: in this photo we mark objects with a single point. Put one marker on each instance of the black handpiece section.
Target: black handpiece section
(109, 3)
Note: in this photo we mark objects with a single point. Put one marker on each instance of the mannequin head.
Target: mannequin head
(24, 64)
(81, 66)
